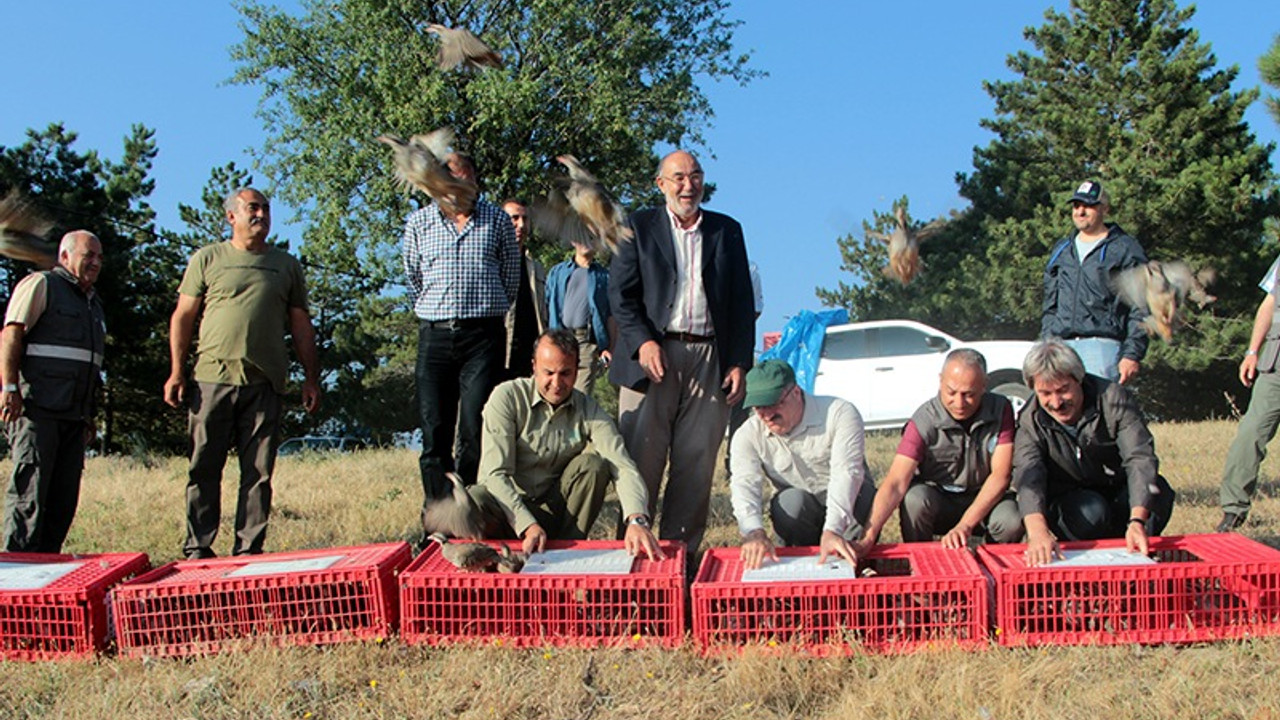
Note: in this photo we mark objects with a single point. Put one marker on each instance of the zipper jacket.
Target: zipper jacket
(1111, 445)
(1079, 299)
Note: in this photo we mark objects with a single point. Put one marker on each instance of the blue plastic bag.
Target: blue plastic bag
(801, 342)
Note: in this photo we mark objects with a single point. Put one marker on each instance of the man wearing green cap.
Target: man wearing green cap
(810, 448)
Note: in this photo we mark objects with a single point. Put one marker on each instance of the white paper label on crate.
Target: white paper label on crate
(801, 567)
(281, 567)
(33, 576)
(579, 562)
(1101, 557)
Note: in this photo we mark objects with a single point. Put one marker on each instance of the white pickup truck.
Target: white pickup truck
(888, 368)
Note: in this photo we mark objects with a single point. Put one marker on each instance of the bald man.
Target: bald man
(51, 363)
(951, 473)
(681, 296)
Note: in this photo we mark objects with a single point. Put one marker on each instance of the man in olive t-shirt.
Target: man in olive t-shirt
(251, 293)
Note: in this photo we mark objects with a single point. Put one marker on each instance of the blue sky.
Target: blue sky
(864, 102)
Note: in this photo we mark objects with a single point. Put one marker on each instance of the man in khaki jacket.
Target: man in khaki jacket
(538, 478)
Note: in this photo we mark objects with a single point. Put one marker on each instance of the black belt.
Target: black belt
(455, 324)
(688, 337)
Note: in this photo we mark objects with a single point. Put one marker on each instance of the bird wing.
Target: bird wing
(554, 217)
(583, 213)
(453, 515)
(438, 142)
(1131, 286)
(459, 45)
(418, 164)
(933, 228)
(602, 216)
(472, 556)
(23, 229)
(1179, 276)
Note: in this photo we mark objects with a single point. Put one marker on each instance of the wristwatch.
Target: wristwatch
(1250, 352)
(10, 387)
(641, 520)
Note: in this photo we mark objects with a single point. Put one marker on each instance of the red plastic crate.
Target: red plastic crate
(922, 595)
(440, 604)
(67, 617)
(1203, 587)
(196, 607)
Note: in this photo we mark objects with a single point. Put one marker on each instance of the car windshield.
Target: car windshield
(904, 341)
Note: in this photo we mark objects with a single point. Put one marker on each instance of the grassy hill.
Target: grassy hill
(130, 505)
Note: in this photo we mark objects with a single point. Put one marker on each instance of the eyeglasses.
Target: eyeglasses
(695, 177)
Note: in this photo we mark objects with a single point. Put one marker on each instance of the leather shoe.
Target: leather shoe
(1230, 521)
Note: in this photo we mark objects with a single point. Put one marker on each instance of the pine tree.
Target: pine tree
(1123, 92)
(86, 191)
(1269, 67)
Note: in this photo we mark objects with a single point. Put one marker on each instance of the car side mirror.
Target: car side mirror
(937, 343)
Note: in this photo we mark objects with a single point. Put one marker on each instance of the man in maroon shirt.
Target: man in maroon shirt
(951, 474)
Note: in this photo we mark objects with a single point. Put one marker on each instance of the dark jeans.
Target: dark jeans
(1085, 514)
(928, 510)
(48, 457)
(458, 365)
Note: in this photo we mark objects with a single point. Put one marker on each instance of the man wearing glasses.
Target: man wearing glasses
(681, 294)
(811, 450)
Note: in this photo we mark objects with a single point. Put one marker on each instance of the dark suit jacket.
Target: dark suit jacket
(642, 290)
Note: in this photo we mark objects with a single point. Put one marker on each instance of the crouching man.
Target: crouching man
(951, 474)
(810, 448)
(538, 478)
(1084, 461)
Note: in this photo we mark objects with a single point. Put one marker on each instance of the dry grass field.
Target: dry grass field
(374, 497)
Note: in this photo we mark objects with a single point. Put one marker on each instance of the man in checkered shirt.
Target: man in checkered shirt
(463, 272)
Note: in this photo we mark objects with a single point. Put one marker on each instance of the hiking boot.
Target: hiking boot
(1230, 521)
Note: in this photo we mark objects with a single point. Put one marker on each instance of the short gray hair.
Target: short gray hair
(68, 243)
(229, 202)
(967, 357)
(1051, 359)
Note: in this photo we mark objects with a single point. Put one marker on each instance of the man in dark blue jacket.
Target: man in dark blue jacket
(1080, 304)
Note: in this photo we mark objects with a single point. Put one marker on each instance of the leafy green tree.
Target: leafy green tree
(605, 81)
(85, 190)
(1121, 91)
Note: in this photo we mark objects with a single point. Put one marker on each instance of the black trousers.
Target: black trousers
(458, 364)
